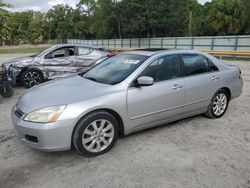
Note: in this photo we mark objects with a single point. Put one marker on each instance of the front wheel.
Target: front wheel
(31, 78)
(6, 90)
(95, 134)
(218, 105)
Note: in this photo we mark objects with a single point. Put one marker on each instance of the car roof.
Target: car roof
(148, 51)
(80, 45)
(153, 51)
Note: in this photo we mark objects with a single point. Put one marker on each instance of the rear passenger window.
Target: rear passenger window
(84, 51)
(164, 68)
(196, 64)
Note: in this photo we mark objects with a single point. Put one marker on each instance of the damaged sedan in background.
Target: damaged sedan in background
(55, 62)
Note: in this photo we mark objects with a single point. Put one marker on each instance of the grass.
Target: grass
(236, 58)
(21, 50)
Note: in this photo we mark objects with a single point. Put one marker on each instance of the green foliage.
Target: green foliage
(124, 19)
(226, 16)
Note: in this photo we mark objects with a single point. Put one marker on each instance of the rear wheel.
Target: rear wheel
(218, 105)
(6, 90)
(95, 134)
(31, 78)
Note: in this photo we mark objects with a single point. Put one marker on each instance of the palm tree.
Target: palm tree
(226, 16)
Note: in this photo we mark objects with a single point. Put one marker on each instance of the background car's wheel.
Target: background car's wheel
(95, 134)
(218, 105)
(6, 90)
(31, 78)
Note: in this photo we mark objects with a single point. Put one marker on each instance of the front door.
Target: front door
(149, 105)
(59, 62)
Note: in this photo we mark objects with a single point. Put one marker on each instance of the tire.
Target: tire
(31, 78)
(99, 128)
(218, 105)
(6, 90)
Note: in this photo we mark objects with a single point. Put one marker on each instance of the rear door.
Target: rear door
(163, 100)
(86, 57)
(202, 80)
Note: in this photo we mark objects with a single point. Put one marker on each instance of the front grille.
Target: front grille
(18, 113)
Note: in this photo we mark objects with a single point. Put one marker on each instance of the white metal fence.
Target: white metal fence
(237, 43)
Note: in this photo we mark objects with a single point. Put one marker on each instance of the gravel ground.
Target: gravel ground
(195, 152)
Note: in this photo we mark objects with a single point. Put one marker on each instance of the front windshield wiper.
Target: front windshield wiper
(90, 78)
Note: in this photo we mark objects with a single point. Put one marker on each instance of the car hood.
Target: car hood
(61, 91)
(22, 61)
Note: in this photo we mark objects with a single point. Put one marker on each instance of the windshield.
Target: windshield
(115, 69)
(47, 50)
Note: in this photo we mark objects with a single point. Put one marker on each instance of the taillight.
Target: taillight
(110, 55)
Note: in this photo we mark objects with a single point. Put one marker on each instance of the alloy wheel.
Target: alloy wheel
(220, 104)
(98, 135)
(32, 78)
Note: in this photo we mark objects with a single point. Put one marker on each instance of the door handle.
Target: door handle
(177, 86)
(215, 78)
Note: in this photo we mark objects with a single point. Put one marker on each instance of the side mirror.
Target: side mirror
(145, 81)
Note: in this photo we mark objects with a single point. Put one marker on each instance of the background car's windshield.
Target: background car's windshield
(47, 51)
(115, 69)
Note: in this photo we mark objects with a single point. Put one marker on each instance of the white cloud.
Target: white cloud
(204, 1)
(44, 5)
(72, 3)
(41, 5)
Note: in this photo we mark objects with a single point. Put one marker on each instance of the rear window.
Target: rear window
(84, 51)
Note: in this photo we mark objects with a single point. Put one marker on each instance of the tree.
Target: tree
(4, 30)
(246, 4)
(59, 21)
(226, 16)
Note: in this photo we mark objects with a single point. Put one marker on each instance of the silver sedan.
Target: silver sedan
(126, 93)
(55, 62)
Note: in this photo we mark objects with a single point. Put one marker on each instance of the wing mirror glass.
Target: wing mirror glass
(145, 81)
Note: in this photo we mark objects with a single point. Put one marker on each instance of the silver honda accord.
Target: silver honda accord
(126, 93)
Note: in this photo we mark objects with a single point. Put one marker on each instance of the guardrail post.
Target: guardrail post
(102, 42)
(130, 41)
(115, 43)
(139, 43)
(161, 42)
(192, 44)
(149, 42)
(212, 43)
(175, 42)
(108, 43)
(236, 43)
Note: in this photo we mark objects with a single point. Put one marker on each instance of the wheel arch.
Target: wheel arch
(228, 91)
(31, 68)
(112, 112)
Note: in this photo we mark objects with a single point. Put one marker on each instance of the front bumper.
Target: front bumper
(5, 77)
(54, 136)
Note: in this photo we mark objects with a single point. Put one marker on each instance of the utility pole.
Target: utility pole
(190, 22)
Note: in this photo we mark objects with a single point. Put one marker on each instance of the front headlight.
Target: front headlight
(45, 115)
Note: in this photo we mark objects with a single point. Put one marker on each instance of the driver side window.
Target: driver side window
(61, 52)
(163, 68)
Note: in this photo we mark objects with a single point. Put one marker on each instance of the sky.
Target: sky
(44, 5)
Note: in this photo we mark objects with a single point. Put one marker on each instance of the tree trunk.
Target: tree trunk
(190, 23)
